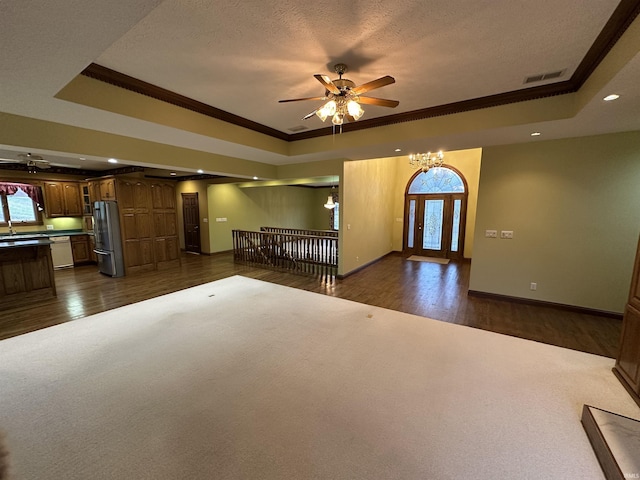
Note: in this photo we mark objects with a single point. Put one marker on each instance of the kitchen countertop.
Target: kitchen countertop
(36, 242)
(35, 235)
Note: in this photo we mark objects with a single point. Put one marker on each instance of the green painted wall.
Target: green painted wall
(574, 208)
(255, 207)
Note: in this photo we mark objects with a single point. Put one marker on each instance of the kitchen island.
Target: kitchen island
(26, 272)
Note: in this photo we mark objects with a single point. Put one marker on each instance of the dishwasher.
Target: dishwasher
(61, 253)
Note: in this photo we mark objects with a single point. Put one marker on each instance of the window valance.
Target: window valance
(34, 193)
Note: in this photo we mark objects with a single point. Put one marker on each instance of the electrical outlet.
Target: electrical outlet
(49, 227)
(506, 234)
(491, 233)
(533, 286)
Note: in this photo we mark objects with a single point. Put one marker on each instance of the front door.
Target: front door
(433, 225)
(435, 206)
(191, 215)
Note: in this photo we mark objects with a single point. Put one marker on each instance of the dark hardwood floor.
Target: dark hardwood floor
(426, 289)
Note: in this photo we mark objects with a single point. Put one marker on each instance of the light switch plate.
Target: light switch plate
(506, 234)
(491, 233)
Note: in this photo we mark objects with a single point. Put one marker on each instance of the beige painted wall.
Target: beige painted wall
(574, 208)
(255, 207)
(379, 186)
(200, 187)
(467, 162)
(367, 203)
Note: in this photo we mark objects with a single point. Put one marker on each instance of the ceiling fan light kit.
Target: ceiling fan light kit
(344, 97)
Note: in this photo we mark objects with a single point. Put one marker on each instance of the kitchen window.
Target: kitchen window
(18, 204)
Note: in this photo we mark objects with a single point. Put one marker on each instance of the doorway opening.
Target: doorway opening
(435, 213)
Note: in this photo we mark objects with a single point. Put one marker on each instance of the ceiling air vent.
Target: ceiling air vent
(544, 76)
(298, 128)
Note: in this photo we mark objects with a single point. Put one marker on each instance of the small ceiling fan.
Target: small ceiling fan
(33, 162)
(344, 97)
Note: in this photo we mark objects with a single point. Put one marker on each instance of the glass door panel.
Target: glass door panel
(432, 221)
(412, 224)
(455, 229)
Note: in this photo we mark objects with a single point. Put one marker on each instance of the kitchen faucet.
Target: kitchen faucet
(12, 231)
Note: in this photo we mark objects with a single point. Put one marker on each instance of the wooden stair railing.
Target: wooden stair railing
(296, 252)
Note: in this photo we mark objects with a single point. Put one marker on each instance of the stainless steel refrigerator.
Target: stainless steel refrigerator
(107, 234)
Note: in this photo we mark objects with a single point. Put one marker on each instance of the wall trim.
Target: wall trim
(543, 303)
(362, 267)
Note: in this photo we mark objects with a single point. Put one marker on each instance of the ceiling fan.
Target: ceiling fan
(344, 97)
(33, 162)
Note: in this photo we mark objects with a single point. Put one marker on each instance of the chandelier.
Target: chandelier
(330, 203)
(426, 161)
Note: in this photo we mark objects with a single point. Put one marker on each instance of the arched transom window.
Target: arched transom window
(437, 180)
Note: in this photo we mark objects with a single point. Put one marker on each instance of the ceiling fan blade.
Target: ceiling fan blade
(301, 99)
(309, 115)
(29, 156)
(378, 101)
(328, 84)
(380, 82)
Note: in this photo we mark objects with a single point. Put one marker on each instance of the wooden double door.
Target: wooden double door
(434, 225)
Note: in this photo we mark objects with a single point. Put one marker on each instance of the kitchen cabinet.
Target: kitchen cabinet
(101, 189)
(164, 195)
(93, 256)
(81, 249)
(627, 367)
(63, 199)
(148, 220)
(165, 224)
(134, 202)
(26, 273)
(87, 205)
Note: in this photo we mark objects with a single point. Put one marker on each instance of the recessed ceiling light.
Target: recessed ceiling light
(112, 160)
(398, 149)
(613, 96)
(200, 171)
(255, 178)
(173, 174)
(536, 134)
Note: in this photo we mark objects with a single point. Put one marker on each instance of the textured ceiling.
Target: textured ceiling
(243, 56)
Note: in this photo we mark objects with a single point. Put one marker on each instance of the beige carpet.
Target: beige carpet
(241, 379)
(418, 258)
